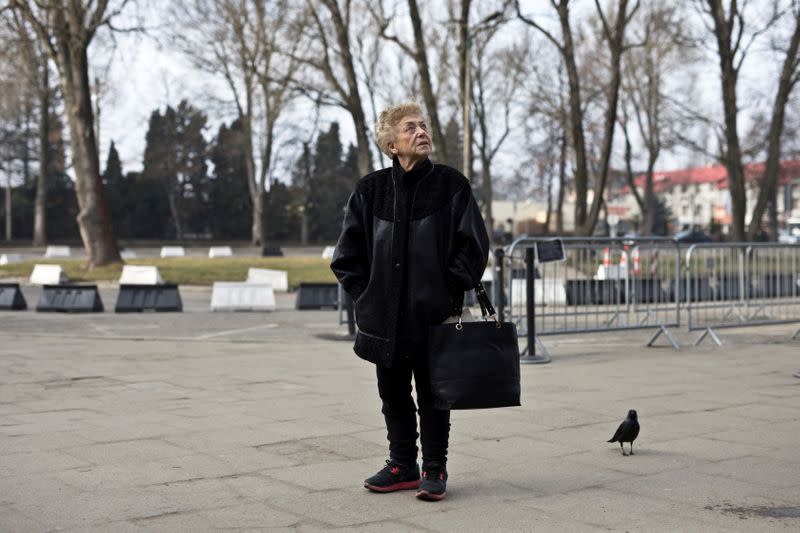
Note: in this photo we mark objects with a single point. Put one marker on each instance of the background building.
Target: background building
(700, 197)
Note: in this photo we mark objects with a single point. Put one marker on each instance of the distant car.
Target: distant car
(692, 236)
(785, 237)
(790, 235)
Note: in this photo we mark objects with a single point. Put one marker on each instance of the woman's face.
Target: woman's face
(412, 139)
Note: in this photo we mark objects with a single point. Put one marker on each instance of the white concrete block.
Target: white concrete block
(545, 292)
(227, 296)
(57, 251)
(47, 275)
(127, 254)
(140, 275)
(327, 253)
(7, 259)
(220, 251)
(612, 272)
(277, 279)
(172, 251)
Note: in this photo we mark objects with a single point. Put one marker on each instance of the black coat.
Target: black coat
(407, 259)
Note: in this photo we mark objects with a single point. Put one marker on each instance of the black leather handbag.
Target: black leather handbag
(475, 365)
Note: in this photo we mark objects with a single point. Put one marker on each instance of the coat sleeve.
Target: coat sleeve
(350, 261)
(470, 251)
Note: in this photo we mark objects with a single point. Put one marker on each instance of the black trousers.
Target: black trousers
(394, 387)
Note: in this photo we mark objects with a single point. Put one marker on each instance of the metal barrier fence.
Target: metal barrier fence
(606, 284)
(741, 284)
(603, 285)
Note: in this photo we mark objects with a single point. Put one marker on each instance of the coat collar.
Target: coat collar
(415, 174)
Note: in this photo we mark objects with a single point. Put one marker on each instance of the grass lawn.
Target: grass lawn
(189, 270)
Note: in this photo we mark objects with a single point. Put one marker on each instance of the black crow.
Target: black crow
(627, 431)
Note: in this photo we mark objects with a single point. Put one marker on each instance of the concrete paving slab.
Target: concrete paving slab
(765, 470)
(262, 488)
(558, 476)
(697, 489)
(251, 515)
(494, 516)
(351, 507)
(14, 520)
(613, 511)
(19, 464)
(194, 421)
(134, 451)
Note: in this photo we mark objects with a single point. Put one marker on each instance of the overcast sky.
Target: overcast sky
(146, 73)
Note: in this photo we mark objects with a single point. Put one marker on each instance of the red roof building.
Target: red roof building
(698, 196)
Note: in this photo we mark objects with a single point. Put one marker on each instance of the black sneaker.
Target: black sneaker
(394, 476)
(434, 483)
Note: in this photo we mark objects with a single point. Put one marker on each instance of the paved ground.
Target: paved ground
(199, 421)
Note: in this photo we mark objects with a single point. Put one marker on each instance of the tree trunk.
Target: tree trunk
(39, 209)
(8, 199)
(562, 178)
(421, 59)
(94, 219)
(304, 227)
(26, 156)
(258, 229)
(486, 185)
(629, 174)
(768, 190)
(353, 97)
(733, 153)
(575, 118)
(463, 75)
(364, 155)
(256, 199)
(610, 119)
(649, 196)
(548, 217)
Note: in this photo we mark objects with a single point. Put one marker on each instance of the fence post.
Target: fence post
(530, 356)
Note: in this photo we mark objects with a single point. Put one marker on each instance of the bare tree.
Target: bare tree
(498, 77)
(419, 53)
(10, 99)
(614, 35)
(733, 43)
(32, 64)
(330, 55)
(661, 51)
(253, 50)
(790, 72)
(66, 31)
(545, 128)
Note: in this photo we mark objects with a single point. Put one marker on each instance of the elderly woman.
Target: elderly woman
(412, 242)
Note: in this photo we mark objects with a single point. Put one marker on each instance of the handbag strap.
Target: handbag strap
(487, 310)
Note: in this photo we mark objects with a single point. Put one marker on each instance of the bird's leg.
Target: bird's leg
(622, 448)
(631, 449)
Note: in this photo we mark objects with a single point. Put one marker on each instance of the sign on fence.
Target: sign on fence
(550, 251)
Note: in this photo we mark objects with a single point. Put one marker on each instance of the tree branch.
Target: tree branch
(534, 24)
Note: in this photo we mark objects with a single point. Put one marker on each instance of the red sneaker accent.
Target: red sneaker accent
(427, 496)
(405, 485)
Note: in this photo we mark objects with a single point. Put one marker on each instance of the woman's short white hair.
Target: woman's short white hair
(391, 117)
